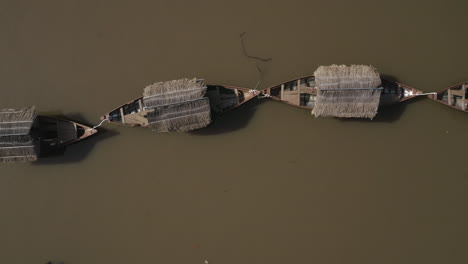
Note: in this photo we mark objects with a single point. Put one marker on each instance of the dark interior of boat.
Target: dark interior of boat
(115, 116)
(391, 93)
(131, 108)
(54, 134)
(223, 99)
(127, 109)
(307, 99)
(276, 91)
(456, 97)
(290, 91)
(290, 86)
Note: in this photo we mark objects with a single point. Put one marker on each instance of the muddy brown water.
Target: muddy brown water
(267, 183)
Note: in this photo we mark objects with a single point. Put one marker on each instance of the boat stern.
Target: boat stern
(409, 92)
(104, 117)
(83, 131)
(248, 93)
(433, 96)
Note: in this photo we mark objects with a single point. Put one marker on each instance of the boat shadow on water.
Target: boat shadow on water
(388, 113)
(78, 151)
(232, 120)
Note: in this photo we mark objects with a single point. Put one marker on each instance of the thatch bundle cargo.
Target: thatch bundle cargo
(171, 92)
(16, 122)
(18, 148)
(178, 105)
(344, 91)
(16, 143)
(180, 117)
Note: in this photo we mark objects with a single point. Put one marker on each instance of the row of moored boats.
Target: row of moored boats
(355, 91)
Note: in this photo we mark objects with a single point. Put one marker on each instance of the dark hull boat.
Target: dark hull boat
(302, 92)
(172, 106)
(24, 136)
(55, 134)
(454, 96)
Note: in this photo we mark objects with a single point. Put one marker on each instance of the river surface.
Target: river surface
(267, 183)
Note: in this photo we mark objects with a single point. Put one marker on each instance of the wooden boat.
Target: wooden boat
(454, 96)
(55, 134)
(302, 92)
(25, 136)
(221, 98)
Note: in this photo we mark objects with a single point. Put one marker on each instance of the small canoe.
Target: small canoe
(222, 98)
(454, 96)
(302, 92)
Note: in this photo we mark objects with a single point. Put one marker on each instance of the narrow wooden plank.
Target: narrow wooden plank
(298, 91)
(141, 105)
(463, 97)
(122, 114)
(449, 96)
(237, 96)
(282, 91)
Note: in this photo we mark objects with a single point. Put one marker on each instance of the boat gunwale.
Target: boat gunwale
(247, 90)
(89, 131)
(434, 96)
(265, 91)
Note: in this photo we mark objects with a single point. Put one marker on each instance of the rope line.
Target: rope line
(423, 94)
(100, 124)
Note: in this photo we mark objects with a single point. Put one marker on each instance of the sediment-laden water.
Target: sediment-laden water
(267, 183)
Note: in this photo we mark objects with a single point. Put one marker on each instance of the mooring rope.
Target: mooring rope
(258, 59)
(258, 84)
(100, 124)
(245, 50)
(422, 94)
(410, 93)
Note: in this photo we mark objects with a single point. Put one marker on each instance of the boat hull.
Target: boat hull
(299, 92)
(55, 134)
(442, 96)
(133, 113)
